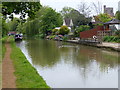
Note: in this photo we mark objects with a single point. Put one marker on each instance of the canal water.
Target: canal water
(66, 65)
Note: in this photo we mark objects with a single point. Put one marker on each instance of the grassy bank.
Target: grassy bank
(3, 40)
(27, 76)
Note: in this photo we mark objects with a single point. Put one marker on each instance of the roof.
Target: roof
(97, 22)
(113, 21)
(68, 22)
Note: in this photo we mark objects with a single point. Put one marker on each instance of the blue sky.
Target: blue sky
(59, 4)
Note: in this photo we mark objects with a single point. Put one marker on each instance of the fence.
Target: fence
(91, 33)
(101, 34)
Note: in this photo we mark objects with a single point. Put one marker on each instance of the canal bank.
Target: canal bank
(107, 45)
(26, 74)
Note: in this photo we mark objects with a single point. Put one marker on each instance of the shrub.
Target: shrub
(105, 38)
(65, 38)
(111, 39)
(117, 33)
(64, 30)
(52, 37)
(39, 36)
(55, 31)
(83, 28)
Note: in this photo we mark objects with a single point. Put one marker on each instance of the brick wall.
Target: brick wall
(91, 33)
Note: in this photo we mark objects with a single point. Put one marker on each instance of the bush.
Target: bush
(117, 33)
(111, 39)
(55, 31)
(65, 38)
(64, 30)
(52, 37)
(39, 36)
(83, 28)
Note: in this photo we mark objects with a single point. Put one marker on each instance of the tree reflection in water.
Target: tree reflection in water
(89, 61)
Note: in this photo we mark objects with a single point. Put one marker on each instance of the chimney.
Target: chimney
(104, 8)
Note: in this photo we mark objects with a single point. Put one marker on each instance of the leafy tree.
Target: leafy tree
(13, 24)
(103, 17)
(19, 27)
(64, 30)
(76, 16)
(31, 27)
(117, 15)
(80, 29)
(49, 19)
(5, 28)
(46, 19)
(0, 24)
(21, 8)
(66, 12)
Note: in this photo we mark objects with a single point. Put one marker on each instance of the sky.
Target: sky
(59, 4)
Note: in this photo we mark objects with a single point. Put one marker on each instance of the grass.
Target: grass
(3, 40)
(27, 76)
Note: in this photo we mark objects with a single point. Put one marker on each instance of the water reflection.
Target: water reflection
(65, 65)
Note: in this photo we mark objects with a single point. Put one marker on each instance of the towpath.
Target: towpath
(8, 77)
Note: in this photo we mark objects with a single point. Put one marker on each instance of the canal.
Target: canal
(66, 65)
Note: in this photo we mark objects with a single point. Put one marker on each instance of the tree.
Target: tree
(97, 7)
(80, 29)
(84, 9)
(5, 28)
(103, 17)
(75, 15)
(117, 15)
(46, 19)
(66, 12)
(21, 8)
(13, 24)
(49, 19)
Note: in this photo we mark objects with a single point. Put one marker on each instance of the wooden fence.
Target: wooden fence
(101, 34)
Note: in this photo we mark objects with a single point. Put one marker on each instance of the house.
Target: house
(68, 22)
(108, 10)
(113, 24)
(108, 26)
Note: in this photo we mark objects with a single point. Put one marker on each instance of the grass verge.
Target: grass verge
(27, 76)
(3, 40)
